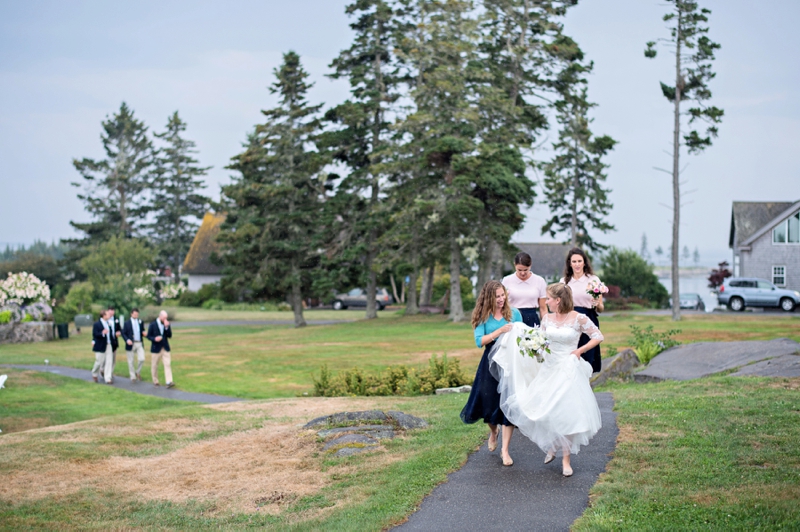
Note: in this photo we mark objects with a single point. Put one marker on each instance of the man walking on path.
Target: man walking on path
(101, 346)
(133, 334)
(159, 333)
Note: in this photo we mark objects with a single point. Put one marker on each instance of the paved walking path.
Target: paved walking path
(123, 383)
(483, 495)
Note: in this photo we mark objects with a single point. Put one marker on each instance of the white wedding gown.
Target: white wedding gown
(551, 403)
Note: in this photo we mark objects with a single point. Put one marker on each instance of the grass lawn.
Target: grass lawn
(186, 314)
(32, 399)
(712, 454)
(227, 467)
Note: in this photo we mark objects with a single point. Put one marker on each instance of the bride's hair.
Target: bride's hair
(485, 305)
(564, 293)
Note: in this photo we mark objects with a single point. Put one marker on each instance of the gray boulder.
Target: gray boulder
(459, 389)
(619, 366)
(346, 417)
(350, 440)
(407, 421)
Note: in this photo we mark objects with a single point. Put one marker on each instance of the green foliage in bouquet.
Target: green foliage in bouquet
(647, 344)
(396, 380)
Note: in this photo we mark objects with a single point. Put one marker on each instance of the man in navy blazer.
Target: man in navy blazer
(101, 345)
(133, 336)
(159, 334)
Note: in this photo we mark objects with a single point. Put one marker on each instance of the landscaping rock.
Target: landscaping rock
(782, 366)
(407, 421)
(459, 389)
(345, 417)
(350, 451)
(693, 361)
(350, 439)
(621, 365)
(379, 432)
(25, 333)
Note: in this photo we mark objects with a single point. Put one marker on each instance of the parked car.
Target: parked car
(691, 301)
(357, 297)
(741, 292)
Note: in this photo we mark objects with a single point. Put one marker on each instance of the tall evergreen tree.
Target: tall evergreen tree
(177, 203)
(694, 52)
(114, 188)
(574, 178)
(272, 233)
(361, 139)
(441, 52)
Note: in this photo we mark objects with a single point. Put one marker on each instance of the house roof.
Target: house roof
(793, 207)
(547, 259)
(748, 217)
(198, 260)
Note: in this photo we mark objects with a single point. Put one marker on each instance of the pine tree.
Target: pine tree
(694, 52)
(275, 225)
(177, 203)
(114, 188)
(441, 54)
(362, 138)
(696, 256)
(574, 178)
(645, 253)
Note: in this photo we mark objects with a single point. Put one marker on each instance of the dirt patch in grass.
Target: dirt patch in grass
(257, 470)
(26, 378)
(785, 383)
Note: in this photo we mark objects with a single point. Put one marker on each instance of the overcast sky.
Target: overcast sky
(67, 64)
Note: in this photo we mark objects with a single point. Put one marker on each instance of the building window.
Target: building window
(788, 231)
(779, 275)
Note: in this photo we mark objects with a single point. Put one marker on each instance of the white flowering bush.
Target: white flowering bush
(23, 294)
(172, 291)
(145, 292)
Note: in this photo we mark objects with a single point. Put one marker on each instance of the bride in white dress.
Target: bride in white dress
(551, 403)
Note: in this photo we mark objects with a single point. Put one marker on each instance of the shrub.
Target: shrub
(213, 304)
(647, 344)
(396, 380)
(5, 317)
(190, 299)
(634, 276)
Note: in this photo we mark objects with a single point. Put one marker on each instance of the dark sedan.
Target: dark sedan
(357, 297)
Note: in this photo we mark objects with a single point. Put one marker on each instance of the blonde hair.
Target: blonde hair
(564, 293)
(486, 305)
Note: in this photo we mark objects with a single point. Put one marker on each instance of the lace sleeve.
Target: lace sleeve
(543, 322)
(588, 328)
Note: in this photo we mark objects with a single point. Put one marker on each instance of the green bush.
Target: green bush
(64, 314)
(5, 317)
(441, 284)
(28, 318)
(213, 304)
(396, 380)
(647, 344)
(633, 275)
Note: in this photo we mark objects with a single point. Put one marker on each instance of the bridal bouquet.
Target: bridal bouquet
(596, 289)
(534, 343)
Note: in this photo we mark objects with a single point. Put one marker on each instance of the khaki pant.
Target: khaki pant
(137, 352)
(99, 362)
(154, 358)
(111, 361)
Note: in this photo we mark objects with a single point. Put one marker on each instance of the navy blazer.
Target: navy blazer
(127, 332)
(100, 340)
(153, 331)
(114, 337)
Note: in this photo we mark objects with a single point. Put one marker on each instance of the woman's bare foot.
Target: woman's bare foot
(566, 468)
(507, 461)
(492, 440)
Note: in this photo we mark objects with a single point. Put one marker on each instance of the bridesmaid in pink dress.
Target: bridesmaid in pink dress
(577, 275)
(527, 291)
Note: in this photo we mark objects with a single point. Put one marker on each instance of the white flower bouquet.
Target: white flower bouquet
(533, 343)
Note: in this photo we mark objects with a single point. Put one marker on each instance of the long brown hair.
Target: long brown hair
(485, 306)
(587, 266)
(564, 293)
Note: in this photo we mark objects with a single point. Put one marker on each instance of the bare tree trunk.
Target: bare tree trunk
(426, 290)
(676, 184)
(456, 305)
(411, 303)
(575, 185)
(394, 287)
(297, 297)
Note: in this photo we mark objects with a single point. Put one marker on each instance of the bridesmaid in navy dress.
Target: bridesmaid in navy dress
(577, 275)
(527, 292)
(491, 318)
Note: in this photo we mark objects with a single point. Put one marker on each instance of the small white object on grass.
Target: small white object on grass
(46, 362)
(3, 380)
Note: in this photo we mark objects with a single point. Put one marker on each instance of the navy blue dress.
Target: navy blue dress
(530, 316)
(484, 400)
(592, 356)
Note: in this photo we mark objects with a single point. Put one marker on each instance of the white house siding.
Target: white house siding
(196, 282)
(758, 262)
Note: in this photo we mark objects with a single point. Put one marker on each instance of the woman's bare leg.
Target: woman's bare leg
(492, 437)
(565, 465)
(508, 431)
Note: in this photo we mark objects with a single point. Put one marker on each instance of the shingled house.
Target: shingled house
(765, 239)
(198, 263)
(547, 259)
